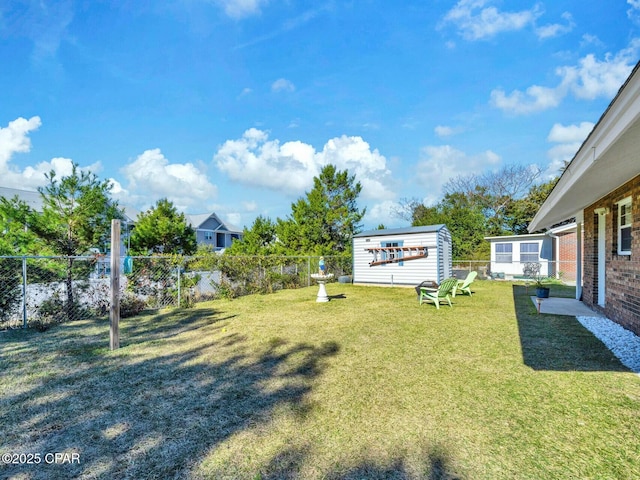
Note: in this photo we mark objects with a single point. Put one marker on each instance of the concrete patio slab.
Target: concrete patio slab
(565, 306)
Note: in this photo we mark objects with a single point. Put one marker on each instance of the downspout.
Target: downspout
(557, 251)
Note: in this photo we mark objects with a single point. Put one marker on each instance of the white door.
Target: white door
(602, 233)
(446, 258)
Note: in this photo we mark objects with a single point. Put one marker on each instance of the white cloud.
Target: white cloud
(383, 212)
(475, 20)
(151, 177)
(556, 29)
(282, 85)
(568, 140)
(45, 24)
(238, 9)
(250, 206)
(588, 39)
(290, 167)
(592, 78)
(589, 79)
(634, 12)
(570, 133)
(14, 138)
(535, 99)
(440, 163)
(443, 131)
(446, 131)
(233, 219)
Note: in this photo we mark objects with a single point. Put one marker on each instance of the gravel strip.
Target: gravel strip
(624, 344)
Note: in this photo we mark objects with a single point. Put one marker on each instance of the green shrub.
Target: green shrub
(131, 305)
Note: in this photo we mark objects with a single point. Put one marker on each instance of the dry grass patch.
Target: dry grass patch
(369, 385)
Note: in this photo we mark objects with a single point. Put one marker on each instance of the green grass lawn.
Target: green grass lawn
(370, 385)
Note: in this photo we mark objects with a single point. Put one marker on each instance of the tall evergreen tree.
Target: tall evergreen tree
(162, 229)
(76, 216)
(323, 222)
(260, 239)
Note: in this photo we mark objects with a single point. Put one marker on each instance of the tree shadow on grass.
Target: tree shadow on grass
(436, 465)
(558, 342)
(152, 410)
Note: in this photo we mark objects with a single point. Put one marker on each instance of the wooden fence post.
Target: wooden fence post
(114, 313)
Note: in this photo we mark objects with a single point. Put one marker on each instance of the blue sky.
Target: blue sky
(234, 106)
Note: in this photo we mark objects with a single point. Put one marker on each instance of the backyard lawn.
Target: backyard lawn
(370, 385)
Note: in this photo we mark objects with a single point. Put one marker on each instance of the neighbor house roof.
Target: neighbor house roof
(30, 197)
(197, 220)
(607, 159)
(34, 200)
(400, 231)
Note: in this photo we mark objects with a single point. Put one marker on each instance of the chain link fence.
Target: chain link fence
(42, 291)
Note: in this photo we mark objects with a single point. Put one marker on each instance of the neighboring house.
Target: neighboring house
(402, 256)
(601, 189)
(554, 250)
(510, 253)
(34, 200)
(31, 198)
(210, 230)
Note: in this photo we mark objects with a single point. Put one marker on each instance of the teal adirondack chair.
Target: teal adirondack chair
(441, 294)
(464, 286)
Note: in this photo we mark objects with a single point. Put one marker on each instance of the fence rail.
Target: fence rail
(40, 291)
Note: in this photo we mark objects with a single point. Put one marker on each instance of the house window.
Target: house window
(504, 252)
(624, 226)
(529, 252)
(208, 235)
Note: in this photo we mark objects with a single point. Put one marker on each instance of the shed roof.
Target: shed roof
(401, 231)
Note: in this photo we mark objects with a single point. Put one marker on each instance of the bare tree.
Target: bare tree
(495, 191)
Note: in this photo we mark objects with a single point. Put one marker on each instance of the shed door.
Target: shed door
(446, 257)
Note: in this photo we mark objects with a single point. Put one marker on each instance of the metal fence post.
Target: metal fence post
(178, 272)
(24, 292)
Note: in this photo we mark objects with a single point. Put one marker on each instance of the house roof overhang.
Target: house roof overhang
(607, 159)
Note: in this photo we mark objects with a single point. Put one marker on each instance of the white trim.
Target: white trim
(625, 202)
(602, 257)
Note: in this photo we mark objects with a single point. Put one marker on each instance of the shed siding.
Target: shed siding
(410, 272)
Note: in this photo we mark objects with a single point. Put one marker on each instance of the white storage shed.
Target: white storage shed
(402, 256)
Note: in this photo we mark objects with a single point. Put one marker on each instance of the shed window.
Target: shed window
(624, 226)
(504, 252)
(392, 255)
(529, 252)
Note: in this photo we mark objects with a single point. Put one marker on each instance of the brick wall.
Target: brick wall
(567, 255)
(622, 292)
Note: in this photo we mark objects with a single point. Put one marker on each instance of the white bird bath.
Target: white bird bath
(322, 291)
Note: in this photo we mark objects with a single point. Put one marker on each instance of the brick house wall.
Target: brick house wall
(567, 255)
(622, 273)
